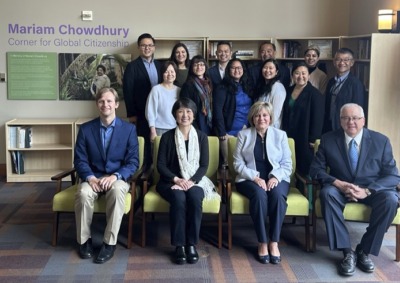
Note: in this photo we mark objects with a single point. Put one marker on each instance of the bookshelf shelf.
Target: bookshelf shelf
(51, 151)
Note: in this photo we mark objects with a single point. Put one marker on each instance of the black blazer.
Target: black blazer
(137, 87)
(352, 91)
(304, 123)
(224, 108)
(167, 159)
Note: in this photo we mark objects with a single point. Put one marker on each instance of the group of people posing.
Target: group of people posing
(184, 101)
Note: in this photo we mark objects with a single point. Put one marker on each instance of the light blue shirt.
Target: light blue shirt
(152, 71)
(106, 134)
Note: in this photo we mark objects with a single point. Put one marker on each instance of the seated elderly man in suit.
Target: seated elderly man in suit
(361, 169)
(106, 155)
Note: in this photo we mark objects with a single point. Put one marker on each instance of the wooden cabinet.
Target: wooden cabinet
(164, 45)
(51, 151)
(384, 88)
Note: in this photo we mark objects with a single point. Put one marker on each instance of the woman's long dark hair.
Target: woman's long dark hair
(173, 56)
(263, 86)
(230, 83)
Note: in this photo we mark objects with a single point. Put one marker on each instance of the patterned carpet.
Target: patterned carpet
(26, 254)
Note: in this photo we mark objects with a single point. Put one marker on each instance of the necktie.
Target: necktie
(353, 155)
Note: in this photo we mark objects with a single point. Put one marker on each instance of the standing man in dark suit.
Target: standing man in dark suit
(106, 155)
(140, 76)
(224, 54)
(341, 89)
(267, 51)
(361, 169)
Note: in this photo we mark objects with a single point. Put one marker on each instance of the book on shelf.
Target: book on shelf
(17, 158)
(291, 49)
(12, 136)
(324, 45)
(20, 137)
(363, 49)
(244, 54)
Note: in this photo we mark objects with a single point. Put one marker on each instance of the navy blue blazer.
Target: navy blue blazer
(352, 91)
(214, 75)
(376, 167)
(122, 156)
(137, 87)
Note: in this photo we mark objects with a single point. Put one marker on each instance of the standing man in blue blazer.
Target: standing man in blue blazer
(224, 54)
(343, 88)
(139, 77)
(361, 169)
(106, 155)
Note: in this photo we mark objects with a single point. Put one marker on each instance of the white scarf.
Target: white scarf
(189, 161)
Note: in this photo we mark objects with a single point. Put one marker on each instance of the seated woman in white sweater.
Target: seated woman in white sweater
(160, 101)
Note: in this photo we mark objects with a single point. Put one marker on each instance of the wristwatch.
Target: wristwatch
(119, 177)
(368, 192)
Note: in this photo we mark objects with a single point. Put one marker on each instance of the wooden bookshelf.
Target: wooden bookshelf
(51, 152)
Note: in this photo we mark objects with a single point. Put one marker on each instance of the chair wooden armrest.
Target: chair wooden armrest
(59, 178)
(145, 178)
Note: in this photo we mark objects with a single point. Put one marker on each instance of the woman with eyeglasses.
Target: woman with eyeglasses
(198, 87)
(270, 89)
(303, 116)
(232, 100)
(180, 55)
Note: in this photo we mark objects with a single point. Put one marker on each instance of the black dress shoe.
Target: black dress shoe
(363, 261)
(86, 249)
(105, 254)
(347, 266)
(264, 259)
(192, 255)
(275, 259)
(180, 255)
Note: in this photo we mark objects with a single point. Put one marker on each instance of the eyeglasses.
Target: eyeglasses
(144, 46)
(237, 68)
(348, 119)
(345, 60)
(201, 64)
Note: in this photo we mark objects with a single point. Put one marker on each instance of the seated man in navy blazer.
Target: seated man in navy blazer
(361, 169)
(106, 155)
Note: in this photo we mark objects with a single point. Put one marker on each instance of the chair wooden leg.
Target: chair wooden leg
(307, 232)
(143, 229)
(219, 229)
(314, 233)
(398, 242)
(55, 228)
(229, 230)
(130, 225)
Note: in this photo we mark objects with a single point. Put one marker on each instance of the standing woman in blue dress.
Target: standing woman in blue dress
(231, 103)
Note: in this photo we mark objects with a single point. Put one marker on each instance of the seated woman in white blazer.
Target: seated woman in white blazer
(263, 162)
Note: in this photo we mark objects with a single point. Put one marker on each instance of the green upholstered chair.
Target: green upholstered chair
(352, 212)
(64, 198)
(298, 204)
(154, 203)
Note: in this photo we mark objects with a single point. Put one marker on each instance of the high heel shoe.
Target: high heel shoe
(264, 259)
(275, 259)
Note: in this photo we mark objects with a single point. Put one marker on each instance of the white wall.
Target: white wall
(174, 18)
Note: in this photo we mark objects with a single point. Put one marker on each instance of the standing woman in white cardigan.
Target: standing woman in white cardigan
(263, 162)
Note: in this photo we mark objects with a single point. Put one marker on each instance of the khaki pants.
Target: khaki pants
(84, 208)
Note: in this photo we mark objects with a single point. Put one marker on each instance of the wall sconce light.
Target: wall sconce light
(386, 21)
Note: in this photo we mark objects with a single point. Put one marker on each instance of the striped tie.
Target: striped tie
(353, 155)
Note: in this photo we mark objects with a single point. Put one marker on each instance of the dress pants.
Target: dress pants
(266, 203)
(383, 205)
(185, 213)
(84, 208)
